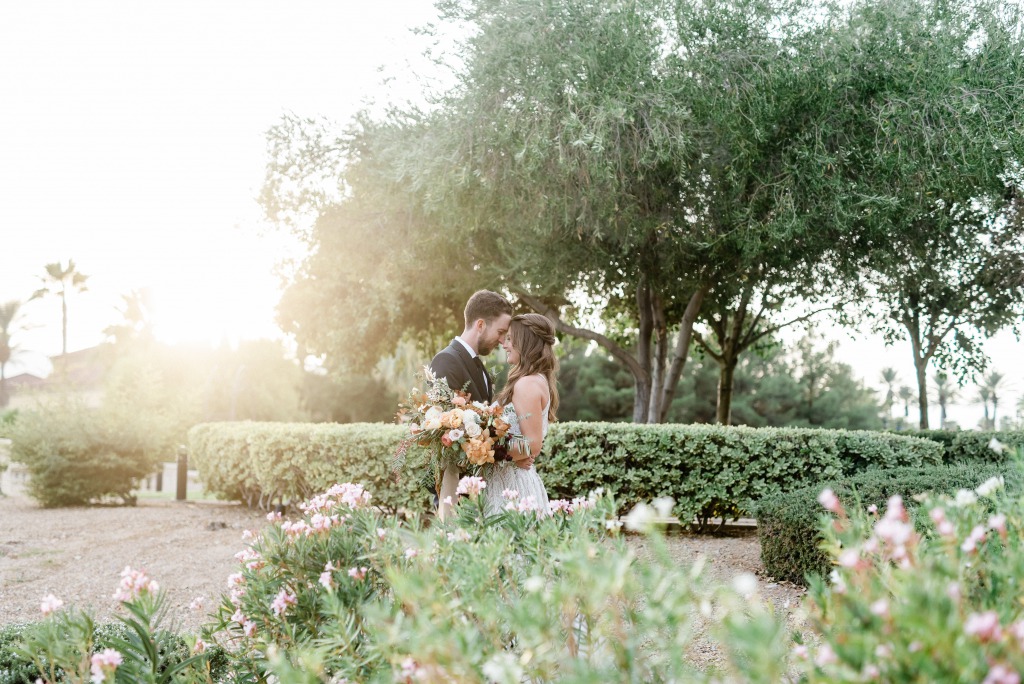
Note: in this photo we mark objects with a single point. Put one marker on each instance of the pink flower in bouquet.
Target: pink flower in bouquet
(459, 401)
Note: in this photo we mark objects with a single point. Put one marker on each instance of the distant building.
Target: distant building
(79, 373)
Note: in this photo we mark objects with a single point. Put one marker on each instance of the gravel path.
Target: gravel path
(189, 547)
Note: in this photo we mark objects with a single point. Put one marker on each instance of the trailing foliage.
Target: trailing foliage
(263, 464)
(787, 523)
(713, 470)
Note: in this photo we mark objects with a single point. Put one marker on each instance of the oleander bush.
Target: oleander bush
(709, 470)
(714, 470)
(787, 523)
(933, 602)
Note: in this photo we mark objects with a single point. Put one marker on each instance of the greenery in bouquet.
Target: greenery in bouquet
(448, 428)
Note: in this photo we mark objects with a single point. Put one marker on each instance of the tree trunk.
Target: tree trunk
(921, 366)
(726, 374)
(660, 355)
(64, 323)
(682, 351)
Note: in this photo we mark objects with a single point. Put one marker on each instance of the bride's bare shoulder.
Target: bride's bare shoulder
(531, 385)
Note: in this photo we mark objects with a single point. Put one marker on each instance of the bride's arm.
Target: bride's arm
(528, 399)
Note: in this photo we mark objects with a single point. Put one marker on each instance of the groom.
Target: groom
(487, 317)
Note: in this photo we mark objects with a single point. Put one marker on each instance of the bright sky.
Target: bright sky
(132, 140)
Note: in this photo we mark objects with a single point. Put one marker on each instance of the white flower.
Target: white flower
(745, 584)
(664, 506)
(990, 486)
(472, 429)
(469, 416)
(640, 518)
(965, 497)
(613, 525)
(455, 435)
(996, 446)
(503, 668)
(533, 584)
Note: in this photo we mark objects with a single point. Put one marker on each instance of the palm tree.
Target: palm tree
(889, 378)
(8, 312)
(946, 393)
(994, 383)
(906, 394)
(984, 394)
(60, 281)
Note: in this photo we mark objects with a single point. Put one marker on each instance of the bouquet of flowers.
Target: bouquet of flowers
(447, 428)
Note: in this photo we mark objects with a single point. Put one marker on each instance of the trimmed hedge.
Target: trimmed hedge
(263, 464)
(970, 445)
(710, 470)
(713, 470)
(788, 523)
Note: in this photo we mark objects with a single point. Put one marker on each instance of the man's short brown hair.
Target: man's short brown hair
(486, 305)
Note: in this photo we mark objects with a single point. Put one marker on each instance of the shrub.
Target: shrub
(264, 463)
(711, 469)
(787, 523)
(971, 445)
(345, 594)
(939, 603)
(76, 454)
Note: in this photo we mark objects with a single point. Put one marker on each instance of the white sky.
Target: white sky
(132, 140)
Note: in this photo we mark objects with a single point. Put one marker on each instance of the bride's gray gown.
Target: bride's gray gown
(506, 475)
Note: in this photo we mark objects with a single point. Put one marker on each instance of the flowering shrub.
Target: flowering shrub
(939, 604)
(345, 594)
(67, 646)
(788, 523)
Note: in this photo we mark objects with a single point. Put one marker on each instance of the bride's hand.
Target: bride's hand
(524, 463)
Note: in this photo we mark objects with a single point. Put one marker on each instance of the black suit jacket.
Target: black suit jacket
(454, 363)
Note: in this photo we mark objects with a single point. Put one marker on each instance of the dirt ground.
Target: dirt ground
(78, 554)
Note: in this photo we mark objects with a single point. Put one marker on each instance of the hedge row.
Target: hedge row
(263, 464)
(788, 523)
(707, 469)
(713, 470)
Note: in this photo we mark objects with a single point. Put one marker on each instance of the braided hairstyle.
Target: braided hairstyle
(532, 336)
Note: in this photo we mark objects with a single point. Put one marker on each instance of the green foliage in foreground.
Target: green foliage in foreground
(347, 594)
(787, 523)
(708, 469)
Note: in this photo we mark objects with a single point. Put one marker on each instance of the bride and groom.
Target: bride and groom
(527, 340)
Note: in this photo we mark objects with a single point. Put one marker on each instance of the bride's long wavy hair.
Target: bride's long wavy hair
(533, 336)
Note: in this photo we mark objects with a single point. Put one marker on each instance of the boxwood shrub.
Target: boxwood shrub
(788, 522)
(264, 464)
(710, 470)
(971, 445)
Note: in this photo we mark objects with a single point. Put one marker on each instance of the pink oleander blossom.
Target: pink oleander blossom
(351, 495)
(411, 553)
(358, 574)
(976, 536)
(880, 608)
(200, 646)
(830, 501)
(327, 576)
(984, 626)
(459, 535)
(471, 486)
(249, 628)
(825, 656)
(134, 583)
(282, 601)
(1001, 674)
(50, 604)
(998, 524)
(274, 516)
(509, 494)
(103, 665)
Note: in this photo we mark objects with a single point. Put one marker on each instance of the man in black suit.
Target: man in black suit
(487, 317)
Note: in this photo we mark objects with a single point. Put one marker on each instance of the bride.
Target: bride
(532, 392)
